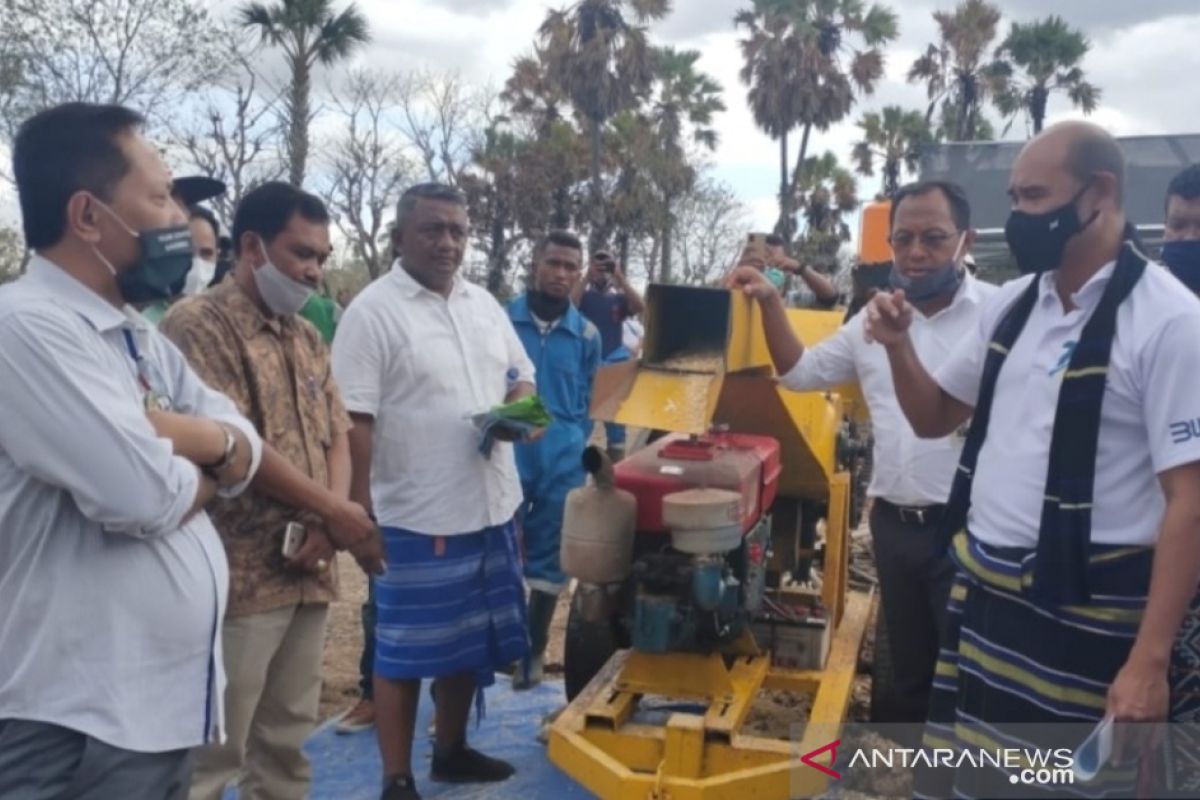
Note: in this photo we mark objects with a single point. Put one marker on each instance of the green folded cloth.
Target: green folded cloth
(518, 419)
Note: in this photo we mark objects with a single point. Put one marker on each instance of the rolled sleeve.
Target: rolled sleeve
(359, 361)
(1170, 375)
(830, 363)
(69, 422)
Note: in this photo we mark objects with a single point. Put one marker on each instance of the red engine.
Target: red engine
(742, 463)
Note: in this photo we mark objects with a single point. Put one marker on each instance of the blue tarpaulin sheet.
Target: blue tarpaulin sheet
(348, 767)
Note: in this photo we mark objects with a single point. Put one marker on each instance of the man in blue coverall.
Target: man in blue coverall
(565, 349)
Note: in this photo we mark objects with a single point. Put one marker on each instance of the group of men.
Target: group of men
(172, 498)
(1037, 463)
(173, 490)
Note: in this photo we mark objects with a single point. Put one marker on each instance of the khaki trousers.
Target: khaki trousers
(273, 664)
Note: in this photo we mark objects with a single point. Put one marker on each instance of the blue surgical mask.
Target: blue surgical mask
(1183, 259)
(937, 282)
(162, 267)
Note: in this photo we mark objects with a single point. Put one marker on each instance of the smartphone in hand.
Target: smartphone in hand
(293, 539)
(756, 247)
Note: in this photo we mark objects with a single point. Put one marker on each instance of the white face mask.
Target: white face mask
(200, 276)
(283, 295)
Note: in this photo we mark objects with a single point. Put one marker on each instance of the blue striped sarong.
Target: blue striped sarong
(1008, 660)
(449, 612)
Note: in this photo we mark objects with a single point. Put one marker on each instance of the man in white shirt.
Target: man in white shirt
(930, 234)
(418, 353)
(1079, 485)
(112, 578)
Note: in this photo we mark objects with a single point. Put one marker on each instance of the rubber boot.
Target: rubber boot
(541, 610)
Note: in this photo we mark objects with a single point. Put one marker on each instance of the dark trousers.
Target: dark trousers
(366, 664)
(39, 761)
(915, 574)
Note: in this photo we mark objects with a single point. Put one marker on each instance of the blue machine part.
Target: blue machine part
(656, 620)
(708, 585)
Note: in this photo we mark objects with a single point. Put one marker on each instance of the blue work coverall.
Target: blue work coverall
(566, 359)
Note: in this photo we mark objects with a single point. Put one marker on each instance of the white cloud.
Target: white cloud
(1142, 59)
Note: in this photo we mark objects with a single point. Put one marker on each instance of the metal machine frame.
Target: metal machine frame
(597, 740)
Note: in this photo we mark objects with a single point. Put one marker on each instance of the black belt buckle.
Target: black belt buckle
(918, 515)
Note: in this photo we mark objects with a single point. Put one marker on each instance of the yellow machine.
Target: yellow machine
(705, 363)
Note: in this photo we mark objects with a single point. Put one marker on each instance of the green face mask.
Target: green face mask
(776, 277)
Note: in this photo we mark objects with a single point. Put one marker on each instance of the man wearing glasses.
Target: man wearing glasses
(931, 236)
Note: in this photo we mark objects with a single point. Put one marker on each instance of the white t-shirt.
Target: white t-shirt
(1150, 419)
(421, 365)
(907, 470)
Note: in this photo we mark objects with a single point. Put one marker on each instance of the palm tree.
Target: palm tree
(1039, 58)
(803, 71)
(684, 96)
(826, 195)
(603, 63)
(895, 137)
(308, 32)
(954, 70)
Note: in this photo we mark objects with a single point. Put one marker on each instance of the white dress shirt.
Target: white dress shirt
(907, 470)
(1150, 419)
(112, 603)
(421, 365)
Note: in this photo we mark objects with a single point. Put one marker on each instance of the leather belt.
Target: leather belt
(914, 515)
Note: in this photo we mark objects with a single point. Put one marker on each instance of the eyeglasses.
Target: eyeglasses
(930, 240)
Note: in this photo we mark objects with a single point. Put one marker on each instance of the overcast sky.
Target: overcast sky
(1145, 57)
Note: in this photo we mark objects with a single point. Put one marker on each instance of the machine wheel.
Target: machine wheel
(883, 676)
(586, 649)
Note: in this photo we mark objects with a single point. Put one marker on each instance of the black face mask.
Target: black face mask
(545, 307)
(162, 268)
(1038, 241)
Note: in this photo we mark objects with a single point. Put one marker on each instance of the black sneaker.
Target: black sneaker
(464, 765)
(401, 788)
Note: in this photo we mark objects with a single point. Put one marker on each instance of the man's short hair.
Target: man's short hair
(267, 210)
(200, 212)
(440, 192)
(1094, 150)
(562, 238)
(1186, 184)
(960, 206)
(70, 148)
(774, 240)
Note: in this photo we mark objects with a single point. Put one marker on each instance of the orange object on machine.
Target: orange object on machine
(873, 247)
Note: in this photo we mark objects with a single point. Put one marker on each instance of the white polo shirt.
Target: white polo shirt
(1150, 420)
(421, 365)
(907, 470)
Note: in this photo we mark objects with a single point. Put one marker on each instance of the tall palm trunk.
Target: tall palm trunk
(664, 274)
(298, 112)
(497, 263)
(597, 234)
(797, 177)
(1038, 100)
(623, 253)
(562, 213)
(785, 196)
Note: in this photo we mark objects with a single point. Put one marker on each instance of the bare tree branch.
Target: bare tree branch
(367, 165)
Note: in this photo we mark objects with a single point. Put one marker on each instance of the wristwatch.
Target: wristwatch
(211, 470)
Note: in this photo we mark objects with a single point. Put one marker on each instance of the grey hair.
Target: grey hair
(441, 192)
